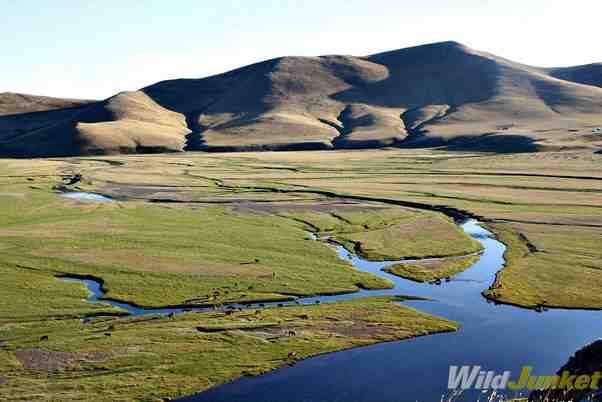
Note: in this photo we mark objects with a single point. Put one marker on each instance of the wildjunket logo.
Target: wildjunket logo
(473, 377)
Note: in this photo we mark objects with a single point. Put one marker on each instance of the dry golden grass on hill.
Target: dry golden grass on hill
(438, 94)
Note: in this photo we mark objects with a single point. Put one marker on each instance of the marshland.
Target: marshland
(271, 258)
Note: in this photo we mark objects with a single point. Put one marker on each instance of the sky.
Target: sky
(94, 49)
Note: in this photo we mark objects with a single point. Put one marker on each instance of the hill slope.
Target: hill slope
(14, 103)
(439, 94)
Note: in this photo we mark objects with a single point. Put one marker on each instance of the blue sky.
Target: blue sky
(93, 49)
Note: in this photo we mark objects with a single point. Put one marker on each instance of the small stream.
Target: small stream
(496, 337)
(84, 196)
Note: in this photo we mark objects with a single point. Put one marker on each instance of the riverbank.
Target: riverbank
(224, 226)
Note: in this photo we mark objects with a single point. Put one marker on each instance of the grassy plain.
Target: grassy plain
(152, 358)
(213, 228)
(552, 200)
(428, 271)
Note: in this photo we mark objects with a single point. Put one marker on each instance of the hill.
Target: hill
(431, 95)
(14, 103)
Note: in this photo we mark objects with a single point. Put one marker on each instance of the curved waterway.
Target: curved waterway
(496, 337)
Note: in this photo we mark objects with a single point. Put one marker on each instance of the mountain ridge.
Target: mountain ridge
(440, 94)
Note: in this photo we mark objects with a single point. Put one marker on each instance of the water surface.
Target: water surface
(85, 196)
(497, 337)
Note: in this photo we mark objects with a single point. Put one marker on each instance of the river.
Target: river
(496, 337)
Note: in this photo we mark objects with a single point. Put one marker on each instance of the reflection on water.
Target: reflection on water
(80, 195)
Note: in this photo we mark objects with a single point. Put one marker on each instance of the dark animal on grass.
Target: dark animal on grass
(229, 312)
(292, 355)
(74, 179)
(107, 334)
(291, 333)
(44, 338)
(171, 316)
(304, 317)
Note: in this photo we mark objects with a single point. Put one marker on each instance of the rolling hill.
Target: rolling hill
(442, 94)
(13, 103)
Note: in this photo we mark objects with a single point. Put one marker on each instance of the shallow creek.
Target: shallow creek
(496, 337)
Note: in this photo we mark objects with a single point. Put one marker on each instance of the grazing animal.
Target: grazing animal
(44, 338)
(257, 312)
(280, 305)
(107, 334)
(171, 316)
(291, 333)
(111, 328)
(292, 355)
(229, 312)
(304, 317)
(74, 179)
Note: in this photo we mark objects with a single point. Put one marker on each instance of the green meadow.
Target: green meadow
(195, 228)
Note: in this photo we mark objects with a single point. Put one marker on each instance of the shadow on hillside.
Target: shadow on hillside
(441, 74)
(194, 142)
(497, 143)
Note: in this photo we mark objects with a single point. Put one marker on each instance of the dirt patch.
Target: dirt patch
(40, 359)
(313, 207)
(358, 330)
(141, 191)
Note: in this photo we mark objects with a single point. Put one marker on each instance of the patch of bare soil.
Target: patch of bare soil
(40, 359)
(357, 330)
(313, 207)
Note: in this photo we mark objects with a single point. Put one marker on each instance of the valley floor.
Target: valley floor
(210, 229)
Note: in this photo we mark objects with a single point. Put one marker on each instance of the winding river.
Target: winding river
(496, 337)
